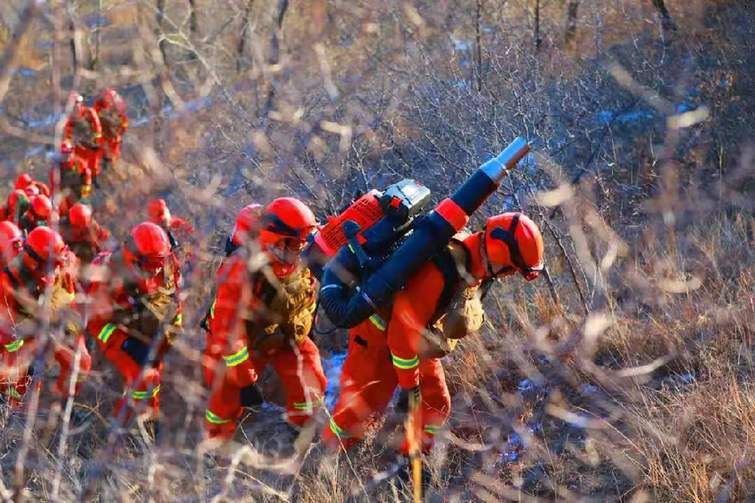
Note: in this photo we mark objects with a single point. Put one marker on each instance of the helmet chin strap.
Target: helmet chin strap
(484, 255)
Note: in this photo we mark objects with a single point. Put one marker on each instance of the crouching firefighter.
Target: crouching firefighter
(37, 313)
(134, 314)
(262, 315)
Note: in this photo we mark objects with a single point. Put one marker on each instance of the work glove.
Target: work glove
(251, 396)
(136, 349)
(408, 399)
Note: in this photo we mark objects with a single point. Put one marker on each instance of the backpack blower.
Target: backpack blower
(367, 260)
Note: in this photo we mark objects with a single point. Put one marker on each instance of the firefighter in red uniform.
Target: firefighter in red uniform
(43, 269)
(71, 177)
(39, 213)
(262, 315)
(134, 313)
(111, 110)
(439, 305)
(25, 182)
(178, 229)
(246, 226)
(16, 205)
(83, 235)
(84, 131)
(11, 242)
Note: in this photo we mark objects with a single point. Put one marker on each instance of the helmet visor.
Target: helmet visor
(287, 250)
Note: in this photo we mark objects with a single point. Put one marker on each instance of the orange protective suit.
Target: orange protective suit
(124, 317)
(19, 325)
(84, 131)
(257, 320)
(402, 352)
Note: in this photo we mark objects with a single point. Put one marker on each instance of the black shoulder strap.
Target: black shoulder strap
(13, 279)
(449, 266)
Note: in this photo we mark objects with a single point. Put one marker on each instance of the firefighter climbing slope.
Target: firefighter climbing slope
(37, 291)
(134, 313)
(83, 130)
(83, 235)
(439, 306)
(262, 315)
(111, 111)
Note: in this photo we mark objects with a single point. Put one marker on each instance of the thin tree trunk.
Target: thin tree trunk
(478, 46)
(159, 16)
(246, 23)
(538, 40)
(97, 37)
(571, 22)
(193, 24)
(666, 21)
(274, 58)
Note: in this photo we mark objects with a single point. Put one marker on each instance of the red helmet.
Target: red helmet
(80, 215)
(75, 100)
(247, 221)
(285, 225)
(43, 252)
(158, 212)
(31, 190)
(513, 242)
(148, 247)
(11, 241)
(41, 207)
(23, 181)
(286, 217)
(109, 98)
(15, 199)
(66, 148)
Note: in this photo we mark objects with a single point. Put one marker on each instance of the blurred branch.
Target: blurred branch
(570, 32)
(245, 27)
(478, 45)
(666, 21)
(24, 134)
(10, 56)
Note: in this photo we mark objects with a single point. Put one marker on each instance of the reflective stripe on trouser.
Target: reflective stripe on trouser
(432, 429)
(368, 381)
(214, 418)
(337, 430)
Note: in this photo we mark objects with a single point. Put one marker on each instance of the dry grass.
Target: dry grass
(649, 397)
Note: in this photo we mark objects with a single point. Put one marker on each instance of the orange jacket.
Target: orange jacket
(114, 126)
(245, 314)
(227, 338)
(115, 300)
(19, 300)
(95, 139)
(414, 310)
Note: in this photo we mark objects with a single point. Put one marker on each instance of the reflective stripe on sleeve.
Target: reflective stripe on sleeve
(403, 363)
(106, 332)
(237, 358)
(14, 346)
(378, 322)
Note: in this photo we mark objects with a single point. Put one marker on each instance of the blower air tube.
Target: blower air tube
(347, 307)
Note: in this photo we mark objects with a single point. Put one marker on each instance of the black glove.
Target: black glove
(136, 349)
(251, 396)
(408, 399)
